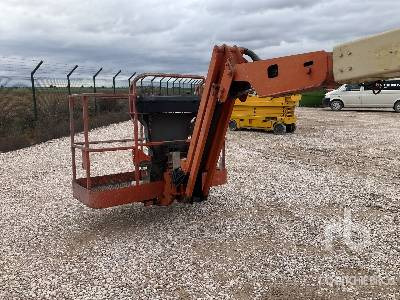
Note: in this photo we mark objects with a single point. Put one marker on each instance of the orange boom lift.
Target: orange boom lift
(173, 160)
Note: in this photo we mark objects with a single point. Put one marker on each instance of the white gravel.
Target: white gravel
(259, 237)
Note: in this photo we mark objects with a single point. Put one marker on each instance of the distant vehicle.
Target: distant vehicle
(268, 113)
(360, 96)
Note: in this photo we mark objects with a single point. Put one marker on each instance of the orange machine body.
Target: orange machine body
(200, 162)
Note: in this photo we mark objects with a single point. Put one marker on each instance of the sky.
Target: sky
(174, 36)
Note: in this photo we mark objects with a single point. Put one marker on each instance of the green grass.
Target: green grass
(19, 129)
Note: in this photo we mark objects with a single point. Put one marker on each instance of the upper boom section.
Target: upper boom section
(368, 59)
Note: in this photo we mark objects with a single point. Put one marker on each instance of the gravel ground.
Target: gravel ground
(264, 235)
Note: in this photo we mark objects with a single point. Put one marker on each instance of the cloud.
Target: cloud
(177, 36)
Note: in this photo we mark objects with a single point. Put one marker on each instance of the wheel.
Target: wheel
(396, 106)
(279, 128)
(232, 125)
(336, 105)
(290, 128)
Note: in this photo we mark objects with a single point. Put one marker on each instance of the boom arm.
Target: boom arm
(231, 76)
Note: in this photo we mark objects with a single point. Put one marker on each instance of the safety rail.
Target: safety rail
(115, 189)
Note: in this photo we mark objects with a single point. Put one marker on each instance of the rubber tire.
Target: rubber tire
(336, 105)
(290, 128)
(233, 125)
(396, 106)
(279, 128)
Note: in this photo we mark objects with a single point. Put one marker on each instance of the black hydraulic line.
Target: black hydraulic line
(251, 54)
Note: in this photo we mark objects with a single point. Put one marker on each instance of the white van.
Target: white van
(354, 95)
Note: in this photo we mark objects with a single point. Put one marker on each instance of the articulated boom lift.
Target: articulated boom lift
(172, 161)
(231, 76)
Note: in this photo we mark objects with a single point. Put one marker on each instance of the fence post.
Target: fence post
(167, 84)
(162, 78)
(141, 84)
(173, 86)
(94, 79)
(152, 87)
(190, 84)
(115, 76)
(179, 86)
(183, 86)
(35, 113)
(94, 88)
(193, 86)
(129, 79)
(69, 82)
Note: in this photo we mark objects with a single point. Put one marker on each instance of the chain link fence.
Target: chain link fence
(34, 106)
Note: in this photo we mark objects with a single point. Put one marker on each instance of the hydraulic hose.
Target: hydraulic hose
(251, 54)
